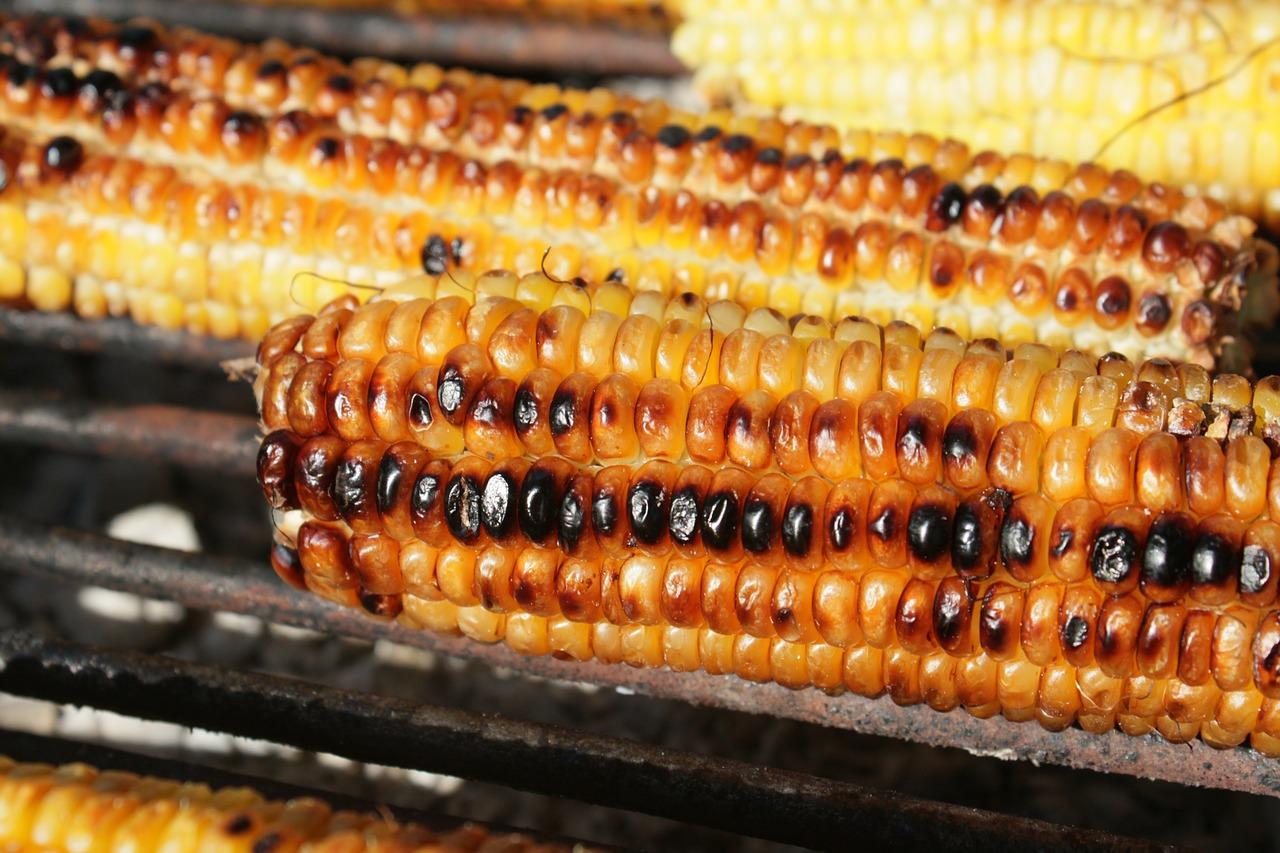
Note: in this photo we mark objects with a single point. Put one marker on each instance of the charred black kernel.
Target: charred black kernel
(520, 114)
(985, 197)
(604, 512)
(1062, 539)
(947, 609)
(120, 102)
(457, 250)
(673, 136)
(242, 121)
(573, 519)
(389, 476)
(137, 38)
(238, 825)
(1255, 570)
(798, 161)
(348, 486)
(433, 255)
(840, 529)
(646, 509)
(1213, 560)
(720, 520)
(999, 499)
(267, 843)
(1017, 541)
(426, 493)
(885, 524)
(563, 412)
(59, 83)
(538, 503)
(683, 522)
(271, 68)
(420, 411)
(915, 428)
(959, 442)
(451, 390)
(63, 154)
(769, 156)
(797, 529)
(736, 142)
(617, 274)
(707, 134)
(98, 85)
(1167, 560)
(1113, 553)
(342, 83)
(554, 111)
(20, 74)
(757, 525)
(1075, 633)
(328, 147)
(376, 604)
(928, 532)
(462, 507)
(524, 410)
(966, 538)
(487, 410)
(498, 504)
(994, 628)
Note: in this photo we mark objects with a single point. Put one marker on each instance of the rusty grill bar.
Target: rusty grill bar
(550, 46)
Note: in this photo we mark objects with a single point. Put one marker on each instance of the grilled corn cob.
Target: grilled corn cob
(1010, 534)
(648, 13)
(662, 208)
(1178, 92)
(75, 807)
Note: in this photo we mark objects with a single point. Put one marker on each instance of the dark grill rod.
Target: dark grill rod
(719, 793)
(488, 41)
(119, 337)
(208, 440)
(205, 582)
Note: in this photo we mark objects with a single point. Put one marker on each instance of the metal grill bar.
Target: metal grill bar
(213, 583)
(119, 337)
(207, 440)
(518, 44)
(719, 793)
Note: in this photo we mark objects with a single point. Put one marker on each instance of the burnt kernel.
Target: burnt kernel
(524, 409)
(59, 83)
(683, 519)
(539, 501)
(885, 524)
(462, 507)
(1213, 560)
(707, 134)
(348, 486)
(554, 111)
(736, 142)
(389, 477)
(563, 411)
(420, 411)
(840, 529)
(959, 441)
(136, 38)
(1154, 313)
(604, 512)
(451, 391)
(946, 207)
(928, 532)
(376, 604)
(673, 136)
(1166, 562)
(1062, 539)
(267, 843)
(1075, 633)
(1255, 570)
(797, 529)
(328, 147)
(573, 520)
(757, 525)
(1017, 541)
(617, 274)
(97, 87)
(646, 510)
(966, 537)
(769, 156)
(498, 504)
(797, 161)
(238, 825)
(434, 252)
(720, 520)
(342, 83)
(271, 68)
(63, 154)
(948, 609)
(1113, 554)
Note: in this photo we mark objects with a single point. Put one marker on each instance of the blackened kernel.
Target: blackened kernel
(757, 525)
(797, 529)
(1154, 312)
(1213, 560)
(59, 83)
(736, 142)
(994, 628)
(348, 486)
(617, 274)
(342, 83)
(238, 825)
(98, 85)
(604, 512)
(433, 255)
(137, 38)
(1075, 633)
(1017, 541)
(524, 414)
(554, 111)
(1062, 539)
(707, 134)
(959, 441)
(451, 391)
(1113, 554)
(720, 520)
(538, 503)
(999, 499)
(1255, 570)
(498, 504)
(327, 147)
(798, 161)
(376, 604)
(271, 68)
(840, 529)
(646, 510)
(426, 494)
(419, 411)
(462, 507)
(673, 136)
(573, 518)
(457, 250)
(683, 519)
(63, 154)
(1166, 562)
(769, 156)
(966, 538)
(389, 477)
(885, 524)
(946, 207)
(563, 412)
(947, 610)
(267, 843)
(928, 532)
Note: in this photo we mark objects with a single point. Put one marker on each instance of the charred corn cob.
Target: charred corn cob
(662, 208)
(1178, 92)
(75, 807)
(983, 531)
(649, 13)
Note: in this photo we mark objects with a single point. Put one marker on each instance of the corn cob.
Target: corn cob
(1187, 97)
(819, 235)
(647, 13)
(75, 807)
(1122, 578)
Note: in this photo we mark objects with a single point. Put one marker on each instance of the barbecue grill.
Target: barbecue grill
(70, 389)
